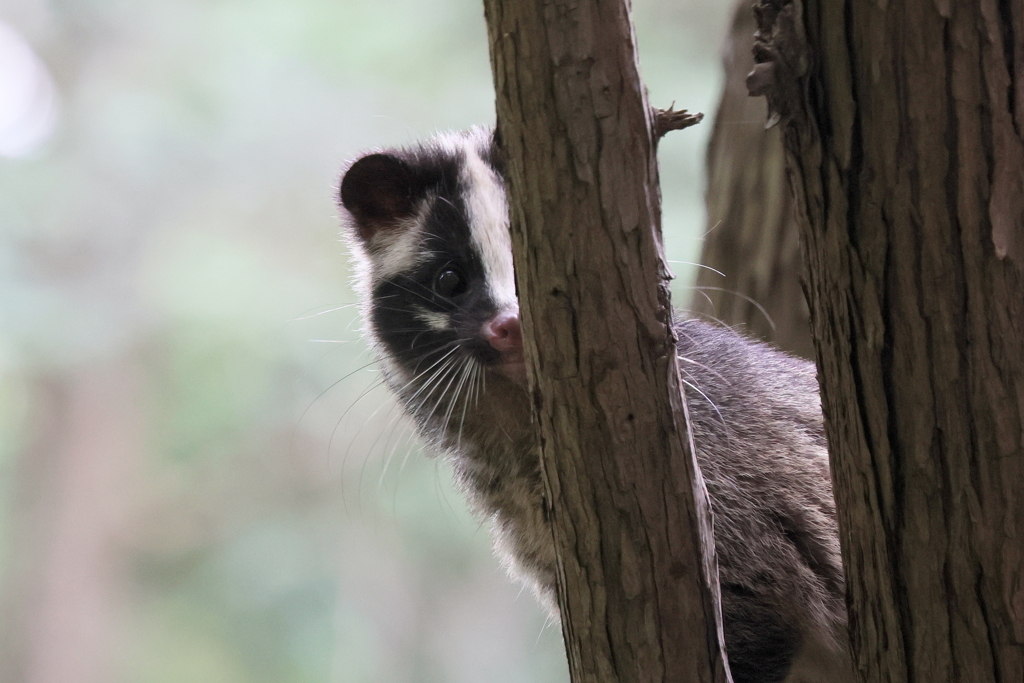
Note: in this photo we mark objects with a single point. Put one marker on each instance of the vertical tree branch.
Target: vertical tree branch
(752, 237)
(903, 127)
(638, 587)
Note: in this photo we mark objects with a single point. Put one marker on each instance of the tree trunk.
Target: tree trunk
(903, 129)
(751, 236)
(638, 581)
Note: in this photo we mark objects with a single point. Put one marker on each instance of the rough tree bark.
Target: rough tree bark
(638, 581)
(903, 128)
(751, 235)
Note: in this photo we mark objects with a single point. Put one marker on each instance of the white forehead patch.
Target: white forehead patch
(487, 207)
(398, 250)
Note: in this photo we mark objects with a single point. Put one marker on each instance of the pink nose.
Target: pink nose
(503, 332)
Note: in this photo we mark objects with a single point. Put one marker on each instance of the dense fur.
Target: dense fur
(429, 231)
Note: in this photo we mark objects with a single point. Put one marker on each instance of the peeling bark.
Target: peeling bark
(903, 129)
(638, 584)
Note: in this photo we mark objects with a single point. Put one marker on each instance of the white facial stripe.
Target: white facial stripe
(433, 319)
(397, 250)
(488, 225)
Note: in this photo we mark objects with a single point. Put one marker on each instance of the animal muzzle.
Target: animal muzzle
(505, 335)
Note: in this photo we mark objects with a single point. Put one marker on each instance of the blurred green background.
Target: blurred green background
(199, 479)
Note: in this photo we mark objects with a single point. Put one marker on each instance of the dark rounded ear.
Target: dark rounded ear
(379, 190)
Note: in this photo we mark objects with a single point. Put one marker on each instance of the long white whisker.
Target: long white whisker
(329, 310)
(448, 371)
(478, 371)
(704, 367)
(442, 360)
(466, 375)
(334, 432)
(699, 265)
(444, 391)
(711, 229)
(419, 375)
(710, 402)
(435, 379)
(432, 383)
(391, 429)
(705, 295)
(744, 297)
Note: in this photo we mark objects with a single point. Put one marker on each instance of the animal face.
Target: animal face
(429, 226)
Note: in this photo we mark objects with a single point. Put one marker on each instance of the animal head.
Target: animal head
(428, 227)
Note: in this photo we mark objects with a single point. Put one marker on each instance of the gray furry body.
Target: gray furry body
(429, 231)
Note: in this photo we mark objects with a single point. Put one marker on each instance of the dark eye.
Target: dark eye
(449, 282)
